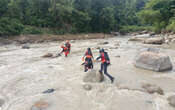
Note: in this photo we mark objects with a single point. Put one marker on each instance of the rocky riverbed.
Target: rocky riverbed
(25, 75)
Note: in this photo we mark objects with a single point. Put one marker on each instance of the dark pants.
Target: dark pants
(88, 64)
(104, 67)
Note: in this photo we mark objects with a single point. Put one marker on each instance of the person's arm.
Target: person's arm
(98, 57)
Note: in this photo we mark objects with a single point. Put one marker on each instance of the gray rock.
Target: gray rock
(171, 100)
(49, 91)
(40, 105)
(118, 56)
(25, 47)
(153, 61)
(87, 87)
(93, 76)
(103, 43)
(152, 89)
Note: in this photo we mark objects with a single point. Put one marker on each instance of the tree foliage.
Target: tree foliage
(160, 14)
(70, 16)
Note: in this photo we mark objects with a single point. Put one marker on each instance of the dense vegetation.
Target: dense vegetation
(83, 16)
(160, 14)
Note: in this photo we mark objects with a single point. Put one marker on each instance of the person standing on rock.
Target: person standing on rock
(88, 64)
(105, 61)
(68, 45)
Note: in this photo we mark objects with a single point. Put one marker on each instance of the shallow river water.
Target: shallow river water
(24, 75)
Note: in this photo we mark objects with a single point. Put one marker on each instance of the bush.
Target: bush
(10, 26)
(171, 26)
(31, 30)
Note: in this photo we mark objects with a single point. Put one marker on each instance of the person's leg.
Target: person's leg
(86, 65)
(101, 69)
(106, 73)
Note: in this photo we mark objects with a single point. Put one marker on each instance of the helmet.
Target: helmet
(101, 50)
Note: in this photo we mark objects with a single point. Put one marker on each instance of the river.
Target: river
(25, 75)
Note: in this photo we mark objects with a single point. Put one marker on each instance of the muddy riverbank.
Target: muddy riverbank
(25, 75)
(23, 39)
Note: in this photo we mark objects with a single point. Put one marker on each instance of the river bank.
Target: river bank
(23, 39)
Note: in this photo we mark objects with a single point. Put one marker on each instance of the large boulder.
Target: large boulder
(151, 89)
(156, 40)
(153, 61)
(171, 100)
(93, 76)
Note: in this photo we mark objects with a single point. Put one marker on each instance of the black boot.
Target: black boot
(112, 80)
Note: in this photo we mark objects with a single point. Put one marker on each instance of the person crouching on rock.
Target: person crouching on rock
(66, 48)
(105, 61)
(88, 64)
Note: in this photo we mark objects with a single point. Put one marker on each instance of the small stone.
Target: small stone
(40, 105)
(103, 43)
(118, 56)
(49, 91)
(47, 55)
(25, 47)
(87, 87)
(171, 100)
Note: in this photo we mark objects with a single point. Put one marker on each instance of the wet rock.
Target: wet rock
(136, 39)
(118, 56)
(103, 43)
(87, 87)
(156, 40)
(151, 89)
(153, 61)
(93, 76)
(49, 91)
(171, 100)
(40, 105)
(25, 47)
(47, 55)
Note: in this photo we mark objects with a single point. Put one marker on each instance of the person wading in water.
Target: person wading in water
(105, 61)
(88, 64)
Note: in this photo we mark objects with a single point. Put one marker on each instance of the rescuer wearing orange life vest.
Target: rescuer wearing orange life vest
(88, 60)
(68, 45)
(105, 61)
(66, 48)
